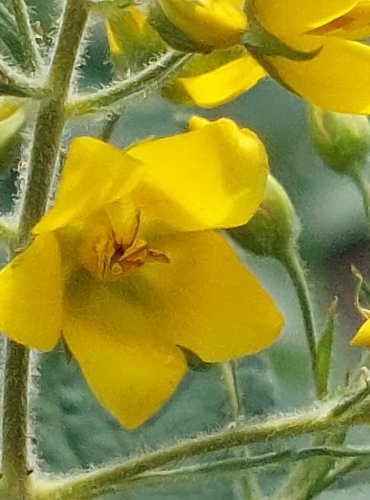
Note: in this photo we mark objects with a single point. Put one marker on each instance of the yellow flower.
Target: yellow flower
(128, 267)
(362, 337)
(337, 78)
(208, 23)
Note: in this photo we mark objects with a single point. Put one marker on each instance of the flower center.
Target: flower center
(110, 248)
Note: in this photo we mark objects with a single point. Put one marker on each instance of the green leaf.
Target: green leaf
(324, 349)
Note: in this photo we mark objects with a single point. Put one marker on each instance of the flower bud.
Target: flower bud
(274, 227)
(343, 141)
(132, 41)
(12, 118)
(199, 25)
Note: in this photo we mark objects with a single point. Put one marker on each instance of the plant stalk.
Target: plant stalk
(328, 416)
(45, 145)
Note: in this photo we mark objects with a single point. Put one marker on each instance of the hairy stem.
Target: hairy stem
(150, 79)
(293, 265)
(51, 117)
(332, 415)
(234, 467)
(48, 129)
(12, 82)
(248, 485)
(31, 61)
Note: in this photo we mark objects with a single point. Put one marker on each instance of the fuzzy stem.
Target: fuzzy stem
(15, 418)
(248, 485)
(332, 415)
(235, 466)
(149, 79)
(49, 125)
(292, 263)
(226, 469)
(14, 83)
(51, 118)
(32, 60)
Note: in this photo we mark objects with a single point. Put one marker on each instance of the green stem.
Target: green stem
(332, 415)
(14, 83)
(248, 483)
(234, 466)
(338, 473)
(49, 125)
(15, 421)
(51, 117)
(150, 79)
(292, 263)
(31, 57)
(229, 468)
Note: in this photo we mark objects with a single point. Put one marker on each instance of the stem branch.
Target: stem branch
(31, 60)
(150, 79)
(331, 415)
(292, 263)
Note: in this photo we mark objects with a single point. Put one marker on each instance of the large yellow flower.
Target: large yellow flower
(128, 268)
(337, 78)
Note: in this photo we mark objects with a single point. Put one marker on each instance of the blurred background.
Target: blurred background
(74, 432)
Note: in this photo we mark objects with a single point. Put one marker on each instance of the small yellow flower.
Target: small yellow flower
(128, 267)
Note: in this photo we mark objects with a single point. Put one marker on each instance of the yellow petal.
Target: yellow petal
(207, 301)
(354, 25)
(291, 17)
(212, 23)
(362, 337)
(337, 79)
(131, 369)
(207, 178)
(95, 174)
(224, 83)
(31, 295)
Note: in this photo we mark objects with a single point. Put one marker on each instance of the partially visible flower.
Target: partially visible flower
(129, 269)
(203, 24)
(362, 337)
(338, 77)
(353, 25)
(132, 41)
(308, 48)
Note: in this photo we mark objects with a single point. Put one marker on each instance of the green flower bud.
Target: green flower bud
(132, 41)
(273, 229)
(343, 141)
